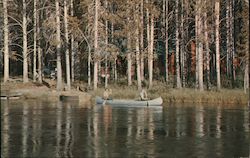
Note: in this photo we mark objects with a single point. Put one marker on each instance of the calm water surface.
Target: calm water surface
(47, 129)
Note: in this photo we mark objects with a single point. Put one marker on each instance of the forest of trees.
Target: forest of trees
(185, 43)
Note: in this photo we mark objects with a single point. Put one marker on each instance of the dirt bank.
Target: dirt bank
(43, 92)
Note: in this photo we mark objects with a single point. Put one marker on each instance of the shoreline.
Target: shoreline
(31, 91)
(224, 97)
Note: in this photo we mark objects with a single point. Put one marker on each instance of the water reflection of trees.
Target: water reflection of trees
(25, 124)
(196, 121)
(200, 126)
(36, 127)
(5, 132)
(69, 138)
(64, 130)
(58, 129)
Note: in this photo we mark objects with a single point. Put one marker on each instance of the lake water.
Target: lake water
(56, 129)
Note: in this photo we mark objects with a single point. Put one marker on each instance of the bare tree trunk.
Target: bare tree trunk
(73, 46)
(207, 52)
(163, 12)
(200, 48)
(129, 60)
(106, 53)
(106, 70)
(228, 55)
(148, 30)
(115, 57)
(178, 79)
(182, 52)
(166, 45)
(99, 72)
(230, 45)
(246, 71)
(200, 65)
(35, 41)
(217, 42)
(6, 41)
(39, 53)
(25, 44)
(232, 41)
(141, 42)
(196, 47)
(96, 44)
(137, 49)
(151, 52)
(67, 45)
(58, 48)
(89, 70)
(115, 68)
(89, 52)
(138, 60)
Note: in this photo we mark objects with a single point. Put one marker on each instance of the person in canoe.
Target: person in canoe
(107, 95)
(143, 92)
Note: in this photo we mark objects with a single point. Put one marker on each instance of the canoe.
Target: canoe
(124, 102)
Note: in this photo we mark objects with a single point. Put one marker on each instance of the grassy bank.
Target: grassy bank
(187, 95)
(169, 94)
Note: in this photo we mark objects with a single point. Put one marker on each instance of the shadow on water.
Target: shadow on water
(65, 129)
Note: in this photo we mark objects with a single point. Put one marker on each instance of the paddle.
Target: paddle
(104, 102)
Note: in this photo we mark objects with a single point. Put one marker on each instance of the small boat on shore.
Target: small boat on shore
(130, 103)
(10, 96)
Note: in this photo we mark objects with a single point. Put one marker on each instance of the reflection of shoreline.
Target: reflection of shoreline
(96, 141)
(218, 122)
(151, 125)
(151, 128)
(25, 125)
(36, 127)
(246, 123)
(68, 131)
(107, 118)
(199, 121)
(56, 130)
(5, 133)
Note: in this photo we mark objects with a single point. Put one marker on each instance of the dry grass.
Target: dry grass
(187, 95)
(169, 94)
(119, 92)
(212, 97)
